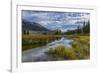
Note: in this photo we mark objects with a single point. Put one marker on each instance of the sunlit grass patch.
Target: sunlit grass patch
(62, 53)
(80, 50)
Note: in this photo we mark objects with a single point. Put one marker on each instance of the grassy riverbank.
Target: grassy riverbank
(32, 41)
(80, 50)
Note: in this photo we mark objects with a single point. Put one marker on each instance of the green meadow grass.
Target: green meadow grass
(80, 50)
(80, 46)
(32, 41)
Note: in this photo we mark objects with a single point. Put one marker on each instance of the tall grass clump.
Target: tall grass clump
(62, 52)
(82, 47)
(80, 50)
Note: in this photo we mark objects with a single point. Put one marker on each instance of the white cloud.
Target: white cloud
(54, 20)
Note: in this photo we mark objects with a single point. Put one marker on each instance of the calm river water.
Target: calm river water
(39, 53)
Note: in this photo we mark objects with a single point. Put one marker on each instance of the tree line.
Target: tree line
(85, 29)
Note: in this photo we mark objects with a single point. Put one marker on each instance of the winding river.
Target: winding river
(38, 54)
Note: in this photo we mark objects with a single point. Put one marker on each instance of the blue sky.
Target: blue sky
(56, 20)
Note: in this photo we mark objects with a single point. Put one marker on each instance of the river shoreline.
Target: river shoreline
(35, 54)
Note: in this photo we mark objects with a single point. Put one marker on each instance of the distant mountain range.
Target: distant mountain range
(33, 26)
